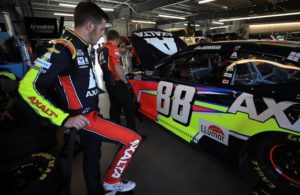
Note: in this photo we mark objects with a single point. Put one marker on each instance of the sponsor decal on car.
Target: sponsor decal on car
(216, 132)
(294, 56)
(208, 47)
(153, 34)
(245, 103)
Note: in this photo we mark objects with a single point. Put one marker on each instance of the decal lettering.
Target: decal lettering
(273, 109)
(294, 56)
(79, 52)
(293, 138)
(80, 61)
(42, 63)
(209, 47)
(165, 45)
(213, 131)
(153, 34)
(181, 105)
(92, 93)
(42, 107)
(124, 159)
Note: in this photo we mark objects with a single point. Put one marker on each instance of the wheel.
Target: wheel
(34, 175)
(276, 160)
(17, 143)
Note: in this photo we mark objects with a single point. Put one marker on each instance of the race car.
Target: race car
(242, 95)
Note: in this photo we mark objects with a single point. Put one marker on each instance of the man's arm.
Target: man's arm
(120, 73)
(33, 87)
(114, 56)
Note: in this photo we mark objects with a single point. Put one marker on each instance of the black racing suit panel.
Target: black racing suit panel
(70, 75)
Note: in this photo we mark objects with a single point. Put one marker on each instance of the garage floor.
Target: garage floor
(166, 165)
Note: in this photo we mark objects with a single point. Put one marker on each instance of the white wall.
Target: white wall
(125, 27)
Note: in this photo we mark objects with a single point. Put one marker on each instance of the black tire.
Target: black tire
(17, 143)
(276, 160)
(37, 174)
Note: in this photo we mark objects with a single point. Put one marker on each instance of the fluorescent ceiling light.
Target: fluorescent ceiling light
(174, 17)
(107, 9)
(212, 28)
(219, 23)
(66, 5)
(108, 25)
(63, 14)
(205, 1)
(173, 29)
(175, 10)
(274, 24)
(73, 6)
(263, 16)
(143, 21)
(196, 25)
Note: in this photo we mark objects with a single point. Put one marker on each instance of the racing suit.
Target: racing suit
(67, 68)
(119, 95)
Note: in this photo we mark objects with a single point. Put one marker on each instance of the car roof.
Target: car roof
(276, 49)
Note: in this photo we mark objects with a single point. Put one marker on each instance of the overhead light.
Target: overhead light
(67, 5)
(196, 25)
(108, 25)
(169, 16)
(173, 29)
(212, 28)
(205, 1)
(274, 24)
(263, 16)
(218, 23)
(143, 21)
(175, 10)
(63, 14)
(107, 9)
(73, 6)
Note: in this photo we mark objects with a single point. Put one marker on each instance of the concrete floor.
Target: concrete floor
(165, 165)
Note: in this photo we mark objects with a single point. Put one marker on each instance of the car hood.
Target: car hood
(153, 44)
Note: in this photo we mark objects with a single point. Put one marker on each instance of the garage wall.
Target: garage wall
(125, 27)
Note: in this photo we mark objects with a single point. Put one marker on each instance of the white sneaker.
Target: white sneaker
(122, 186)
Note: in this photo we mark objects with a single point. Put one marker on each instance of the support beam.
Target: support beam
(147, 6)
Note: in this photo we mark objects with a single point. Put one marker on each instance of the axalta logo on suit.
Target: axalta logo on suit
(42, 107)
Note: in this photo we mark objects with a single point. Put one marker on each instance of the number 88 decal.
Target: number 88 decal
(181, 104)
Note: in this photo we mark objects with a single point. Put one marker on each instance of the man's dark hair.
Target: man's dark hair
(86, 11)
(112, 35)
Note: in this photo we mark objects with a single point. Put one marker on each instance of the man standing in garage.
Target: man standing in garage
(67, 68)
(119, 89)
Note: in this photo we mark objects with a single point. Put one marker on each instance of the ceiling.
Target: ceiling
(149, 10)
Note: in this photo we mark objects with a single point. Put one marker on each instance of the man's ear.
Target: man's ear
(89, 25)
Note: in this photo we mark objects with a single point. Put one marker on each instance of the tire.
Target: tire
(17, 143)
(37, 174)
(276, 160)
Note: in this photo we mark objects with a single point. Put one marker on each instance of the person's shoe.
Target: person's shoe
(122, 186)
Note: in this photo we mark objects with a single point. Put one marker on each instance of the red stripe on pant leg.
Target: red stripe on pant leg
(73, 100)
(128, 138)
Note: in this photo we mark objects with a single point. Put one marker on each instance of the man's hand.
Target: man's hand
(78, 122)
